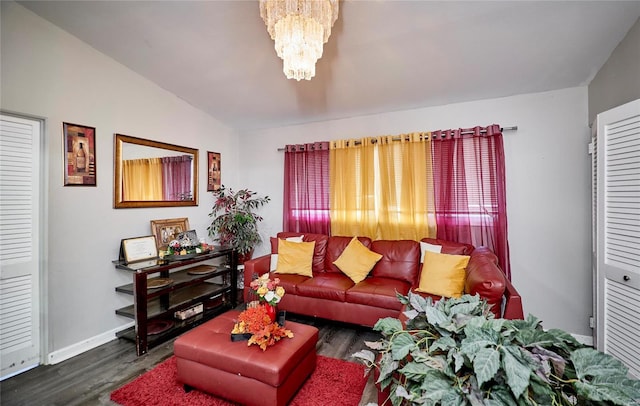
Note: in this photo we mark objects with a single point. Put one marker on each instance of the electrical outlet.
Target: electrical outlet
(592, 323)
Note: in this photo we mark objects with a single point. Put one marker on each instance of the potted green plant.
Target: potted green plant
(235, 222)
(454, 352)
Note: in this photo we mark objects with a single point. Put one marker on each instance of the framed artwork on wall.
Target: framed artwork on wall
(214, 171)
(166, 230)
(79, 155)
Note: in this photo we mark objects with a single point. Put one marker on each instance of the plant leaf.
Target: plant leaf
(387, 366)
(436, 316)
(388, 325)
(442, 343)
(629, 387)
(500, 396)
(590, 363)
(610, 392)
(517, 373)
(365, 355)
(477, 339)
(375, 345)
(486, 364)
(401, 345)
(415, 370)
(437, 387)
(418, 302)
(459, 360)
(544, 355)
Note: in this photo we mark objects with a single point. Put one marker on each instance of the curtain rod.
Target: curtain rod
(502, 129)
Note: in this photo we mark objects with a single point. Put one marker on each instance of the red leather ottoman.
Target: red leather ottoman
(208, 360)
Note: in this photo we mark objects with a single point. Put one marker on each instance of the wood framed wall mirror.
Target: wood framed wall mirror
(153, 174)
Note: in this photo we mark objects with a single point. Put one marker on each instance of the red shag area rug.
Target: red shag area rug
(334, 382)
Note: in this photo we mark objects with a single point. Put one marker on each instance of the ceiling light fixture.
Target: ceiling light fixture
(299, 29)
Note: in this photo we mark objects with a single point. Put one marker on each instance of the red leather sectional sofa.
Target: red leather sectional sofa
(332, 295)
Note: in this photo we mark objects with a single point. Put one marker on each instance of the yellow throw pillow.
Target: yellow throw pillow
(295, 257)
(356, 261)
(443, 274)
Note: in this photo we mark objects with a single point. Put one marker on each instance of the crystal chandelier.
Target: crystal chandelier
(299, 29)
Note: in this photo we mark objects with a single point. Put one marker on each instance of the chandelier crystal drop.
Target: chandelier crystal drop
(299, 29)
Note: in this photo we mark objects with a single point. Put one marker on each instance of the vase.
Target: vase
(271, 312)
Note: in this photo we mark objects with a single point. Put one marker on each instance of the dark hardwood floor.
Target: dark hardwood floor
(89, 378)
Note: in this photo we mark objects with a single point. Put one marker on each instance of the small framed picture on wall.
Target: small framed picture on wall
(80, 155)
(214, 171)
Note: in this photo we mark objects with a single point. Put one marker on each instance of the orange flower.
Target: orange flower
(256, 321)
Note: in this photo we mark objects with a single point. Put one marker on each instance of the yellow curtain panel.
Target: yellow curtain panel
(381, 188)
(147, 170)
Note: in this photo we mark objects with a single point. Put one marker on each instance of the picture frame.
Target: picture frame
(139, 248)
(79, 154)
(214, 171)
(168, 229)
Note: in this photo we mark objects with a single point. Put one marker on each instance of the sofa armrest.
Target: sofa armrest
(513, 302)
(252, 269)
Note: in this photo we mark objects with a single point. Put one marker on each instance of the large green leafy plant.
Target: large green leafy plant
(235, 222)
(454, 352)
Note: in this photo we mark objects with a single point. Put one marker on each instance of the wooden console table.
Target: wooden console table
(190, 284)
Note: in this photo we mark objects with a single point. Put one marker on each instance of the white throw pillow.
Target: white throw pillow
(274, 257)
(274, 262)
(425, 246)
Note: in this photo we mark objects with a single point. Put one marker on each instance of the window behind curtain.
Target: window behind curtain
(380, 188)
(306, 188)
(469, 185)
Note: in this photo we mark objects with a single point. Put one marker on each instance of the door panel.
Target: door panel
(618, 234)
(19, 244)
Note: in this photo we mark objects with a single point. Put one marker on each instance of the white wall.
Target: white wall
(47, 72)
(548, 187)
(618, 81)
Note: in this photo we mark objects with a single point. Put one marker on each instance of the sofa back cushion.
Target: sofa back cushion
(335, 247)
(318, 251)
(450, 247)
(400, 260)
(484, 277)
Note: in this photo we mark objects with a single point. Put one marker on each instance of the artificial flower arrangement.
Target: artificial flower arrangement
(267, 289)
(176, 247)
(264, 332)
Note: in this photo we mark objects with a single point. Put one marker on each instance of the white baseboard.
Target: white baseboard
(586, 340)
(85, 345)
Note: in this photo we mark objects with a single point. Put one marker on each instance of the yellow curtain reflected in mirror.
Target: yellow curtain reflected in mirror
(142, 179)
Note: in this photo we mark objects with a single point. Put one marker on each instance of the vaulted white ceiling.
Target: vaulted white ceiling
(381, 56)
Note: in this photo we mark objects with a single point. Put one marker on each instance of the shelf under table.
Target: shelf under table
(177, 298)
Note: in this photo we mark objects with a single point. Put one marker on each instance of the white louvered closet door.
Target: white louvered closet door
(19, 244)
(618, 234)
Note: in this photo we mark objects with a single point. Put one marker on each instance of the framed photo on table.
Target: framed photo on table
(79, 155)
(166, 230)
(214, 171)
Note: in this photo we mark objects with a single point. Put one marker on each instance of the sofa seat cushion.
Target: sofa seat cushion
(290, 282)
(331, 286)
(378, 292)
(400, 260)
